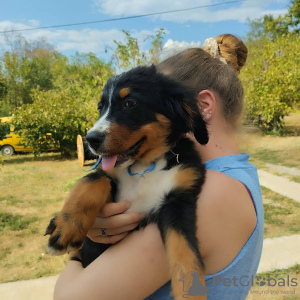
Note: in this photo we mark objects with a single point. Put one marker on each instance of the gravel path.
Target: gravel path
(283, 170)
(280, 185)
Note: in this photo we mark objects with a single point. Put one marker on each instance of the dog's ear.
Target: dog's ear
(200, 130)
(197, 124)
(181, 101)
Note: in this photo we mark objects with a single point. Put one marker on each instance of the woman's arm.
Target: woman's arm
(226, 218)
(137, 266)
(131, 269)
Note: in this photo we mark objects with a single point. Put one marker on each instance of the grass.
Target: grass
(282, 215)
(32, 191)
(284, 292)
(295, 178)
(13, 222)
(272, 149)
(292, 123)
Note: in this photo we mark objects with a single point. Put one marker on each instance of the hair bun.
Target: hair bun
(233, 50)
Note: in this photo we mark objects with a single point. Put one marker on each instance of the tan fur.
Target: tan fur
(81, 209)
(121, 138)
(155, 145)
(124, 92)
(185, 178)
(182, 260)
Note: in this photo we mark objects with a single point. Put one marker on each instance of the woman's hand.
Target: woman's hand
(113, 222)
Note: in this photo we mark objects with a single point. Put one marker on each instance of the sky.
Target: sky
(183, 29)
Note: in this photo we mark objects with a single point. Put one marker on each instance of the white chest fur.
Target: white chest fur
(148, 192)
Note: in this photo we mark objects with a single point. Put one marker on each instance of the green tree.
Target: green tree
(66, 110)
(271, 76)
(270, 27)
(61, 113)
(3, 130)
(272, 80)
(129, 55)
(25, 66)
(156, 45)
(13, 81)
(92, 70)
(3, 91)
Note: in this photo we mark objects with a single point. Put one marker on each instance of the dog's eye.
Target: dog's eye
(130, 103)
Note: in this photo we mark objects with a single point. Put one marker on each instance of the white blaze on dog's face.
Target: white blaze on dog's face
(142, 115)
(103, 123)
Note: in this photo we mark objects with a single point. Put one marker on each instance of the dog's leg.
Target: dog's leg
(183, 262)
(177, 224)
(68, 229)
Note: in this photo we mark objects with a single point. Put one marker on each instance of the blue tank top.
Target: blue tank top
(234, 281)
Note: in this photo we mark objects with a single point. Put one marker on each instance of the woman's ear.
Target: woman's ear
(206, 103)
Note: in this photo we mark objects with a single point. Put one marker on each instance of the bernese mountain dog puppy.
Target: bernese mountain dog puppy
(146, 159)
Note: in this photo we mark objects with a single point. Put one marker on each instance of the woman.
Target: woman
(229, 213)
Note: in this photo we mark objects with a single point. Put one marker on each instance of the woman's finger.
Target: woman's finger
(94, 232)
(111, 209)
(117, 221)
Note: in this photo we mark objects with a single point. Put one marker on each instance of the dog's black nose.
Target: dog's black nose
(95, 139)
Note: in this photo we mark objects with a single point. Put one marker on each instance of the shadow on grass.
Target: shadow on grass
(89, 163)
(292, 130)
(267, 156)
(25, 157)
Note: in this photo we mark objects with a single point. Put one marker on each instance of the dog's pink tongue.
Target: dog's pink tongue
(108, 162)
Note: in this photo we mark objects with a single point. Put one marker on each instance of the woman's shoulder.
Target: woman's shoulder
(222, 193)
(225, 218)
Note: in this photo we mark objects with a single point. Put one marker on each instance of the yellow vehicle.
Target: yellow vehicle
(11, 143)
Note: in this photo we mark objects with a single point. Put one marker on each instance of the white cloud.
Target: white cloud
(86, 40)
(180, 45)
(172, 47)
(241, 12)
(8, 25)
(34, 23)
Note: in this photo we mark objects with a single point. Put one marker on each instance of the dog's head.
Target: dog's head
(142, 115)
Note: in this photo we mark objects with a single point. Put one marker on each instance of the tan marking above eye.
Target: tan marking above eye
(124, 92)
(101, 95)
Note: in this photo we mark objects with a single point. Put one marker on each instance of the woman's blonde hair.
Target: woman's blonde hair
(196, 68)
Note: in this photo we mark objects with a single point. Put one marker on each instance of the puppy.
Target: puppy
(146, 159)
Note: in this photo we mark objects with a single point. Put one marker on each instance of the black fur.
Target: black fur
(144, 119)
(157, 93)
(154, 92)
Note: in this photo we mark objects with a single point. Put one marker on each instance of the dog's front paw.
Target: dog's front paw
(66, 234)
